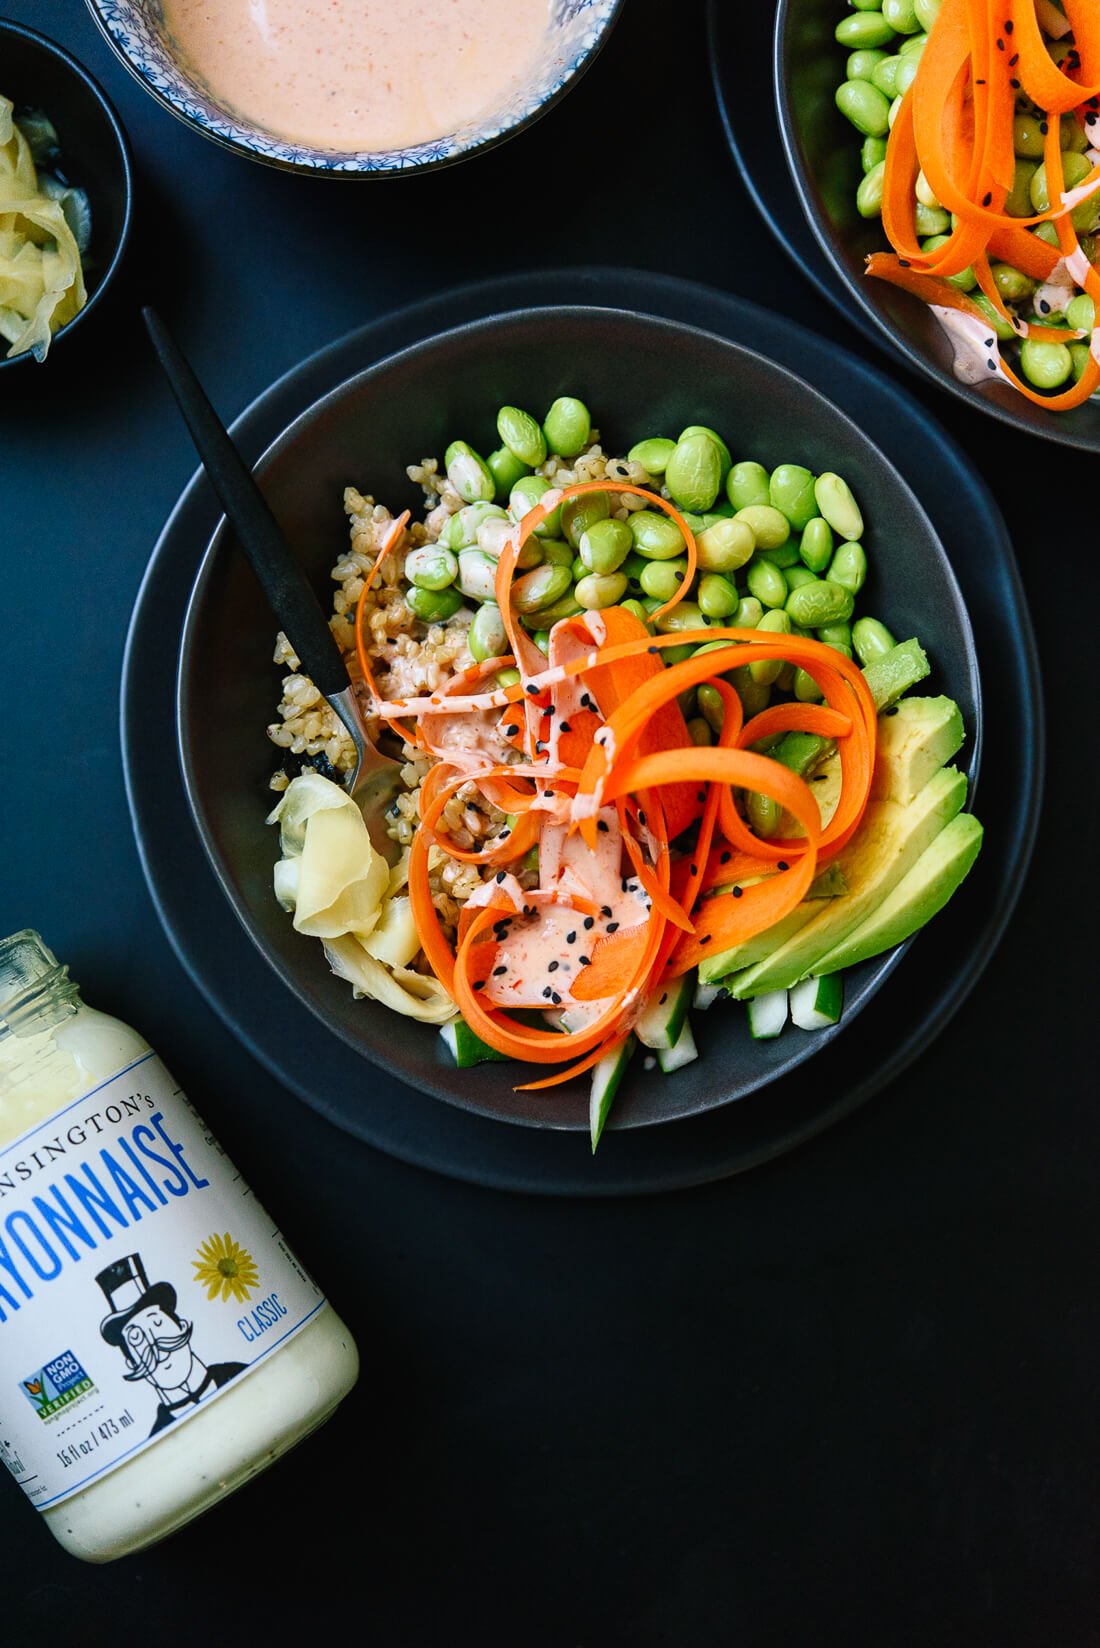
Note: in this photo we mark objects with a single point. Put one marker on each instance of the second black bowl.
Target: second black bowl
(640, 376)
(822, 150)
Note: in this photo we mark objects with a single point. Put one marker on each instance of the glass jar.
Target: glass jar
(159, 1342)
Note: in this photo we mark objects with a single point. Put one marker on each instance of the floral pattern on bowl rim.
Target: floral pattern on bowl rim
(135, 29)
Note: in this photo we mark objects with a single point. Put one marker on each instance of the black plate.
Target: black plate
(640, 374)
(904, 1016)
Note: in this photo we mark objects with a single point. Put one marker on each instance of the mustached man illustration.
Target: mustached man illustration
(145, 1325)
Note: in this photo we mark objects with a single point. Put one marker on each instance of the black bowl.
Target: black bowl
(822, 150)
(640, 375)
(95, 156)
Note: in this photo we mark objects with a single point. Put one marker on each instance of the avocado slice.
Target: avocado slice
(925, 734)
(918, 896)
(889, 842)
(915, 739)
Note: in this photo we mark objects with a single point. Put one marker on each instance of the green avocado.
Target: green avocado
(915, 739)
(918, 896)
(888, 843)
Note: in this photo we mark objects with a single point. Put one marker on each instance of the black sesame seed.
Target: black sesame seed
(1013, 60)
(547, 993)
(552, 967)
(706, 938)
(737, 891)
(480, 985)
(987, 198)
(893, 710)
(782, 865)
(510, 732)
(663, 999)
(1044, 306)
(700, 795)
(725, 857)
(695, 869)
(500, 877)
(602, 825)
(498, 972)
(992, 365)
(565, 727)
(1000, 45)
(1043, 127)
(570, 938)
(586, 961)
(641, 816)
(1015, 84)
(555, 998)
(989, 343)
(904, 263)
(613, 926)
(605, 909)
(589, 923)
(532, 689)
(653, 650)
(1009, 25)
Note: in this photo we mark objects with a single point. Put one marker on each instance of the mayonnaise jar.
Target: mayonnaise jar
(159, 1342)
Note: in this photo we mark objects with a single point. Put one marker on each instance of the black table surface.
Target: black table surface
(845, 1398)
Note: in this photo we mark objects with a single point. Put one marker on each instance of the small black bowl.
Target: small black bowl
(822, 150)
(640, 375)
(95, 155)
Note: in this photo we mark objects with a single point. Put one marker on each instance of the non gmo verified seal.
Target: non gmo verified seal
(56, 1385)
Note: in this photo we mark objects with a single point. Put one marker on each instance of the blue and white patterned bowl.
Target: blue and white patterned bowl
(135, 28)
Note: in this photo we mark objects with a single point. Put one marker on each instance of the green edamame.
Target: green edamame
(661, 579)
(488, 637)
(710, 702)
(433, 606)
(523, 498)
(717, 596)
(871, 190)
(838, 506)
(1046, 365)
(770, 527)
(464, 527)
(884, 81)
(765, 671)
(1000, 327)
(567, 427)
(636, 610)
(748, 615)
(870, 639)
(872, 153)
(578, 514)
(699, 728)
(799, 574)
(725, 546)
(506, 469)
(541, 588)
(653, 454)
(864, 103)
(431, 567)
(566, 606)
(864, 29)
(926, 12)
(806, 689)
(901, 16)
(600, 590)
(685, 616)
(861, 65)
(747, 484)
(1081, 313)
(477, 574)
(848, 568)
(1013, 285)
(820, 602)
(556, 552)
(783, 555)
(930, 220)
(816, 548)
(468, 473)
(522, 435)
(694, 472)
(655, 536)
(837, 635)
(767, 583)
(605, 546)
(713, 435)
(791, 491)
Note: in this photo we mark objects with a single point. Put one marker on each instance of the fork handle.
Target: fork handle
(288, 591)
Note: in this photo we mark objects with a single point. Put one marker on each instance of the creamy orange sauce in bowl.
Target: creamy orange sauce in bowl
(355, 87)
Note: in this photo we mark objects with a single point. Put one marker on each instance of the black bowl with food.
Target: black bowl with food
(828, 164)
(640, 377)
(70, 153)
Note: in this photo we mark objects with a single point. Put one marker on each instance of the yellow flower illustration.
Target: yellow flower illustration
(224, 1267)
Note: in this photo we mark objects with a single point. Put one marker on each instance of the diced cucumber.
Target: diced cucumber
(662, 1021)
(671, 1058)
(767, 1014)
(705, 996)
(466, 1048)
(816, 1002)
(606, 1077)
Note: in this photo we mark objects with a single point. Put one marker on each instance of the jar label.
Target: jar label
(139, 1279)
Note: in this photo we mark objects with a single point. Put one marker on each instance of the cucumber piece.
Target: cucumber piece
(767, 1015)
(671, 1058)
(816, 1002)
(661, 1023)
(705, 996)
(606, 1076)
(466, 1048)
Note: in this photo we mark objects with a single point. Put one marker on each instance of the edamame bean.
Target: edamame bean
(433, 606)
(1046, 365)
(653, 454)
(1080, 354)
(541, 588)
(753, 696)
(901, 16)
(463, 528)
(924, 192)
(767, 583)
(966, 279)
(931, 220)
(637, 610)
(525, 495)
(873, 153)
(431, 567)
(685, 616)
(468, 473)
(749, 613)
(522, 435)
(806, 689)
(838, 506)
(884, 81)
(870, 192)
(816, 548)
(770, 527)
(1075, 168)
(838, 636)
(747, 484)
(725, 546)
(507, 677)
(1028, 138)
(506, 470)
(1000, 327)
(567, 606)
(848, 568)
(655, 536)
(694, 472)
(1018, 200)
(762, 812)
(600, 589)
(567, 426)
(661, 579)
(712, 434)
(818, 603)
(1013, 285)
(861, 65)
(913, 45)
(864, 104)
(634, 565)
(1081, 313)
(578, 514)
(556, 552)
(710, 702)
(870, 639)
(783, 555)
(926, 12)
(699, 728)
(541, 638)
(798, 575)
(791, 491)
(864, 29)
(908, 68)
(477, 574)
(1046, 231)
(606, 545)
(717, 596)
(765, 671)
(488, 637)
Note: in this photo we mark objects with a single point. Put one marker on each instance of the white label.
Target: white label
(139, 1278)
